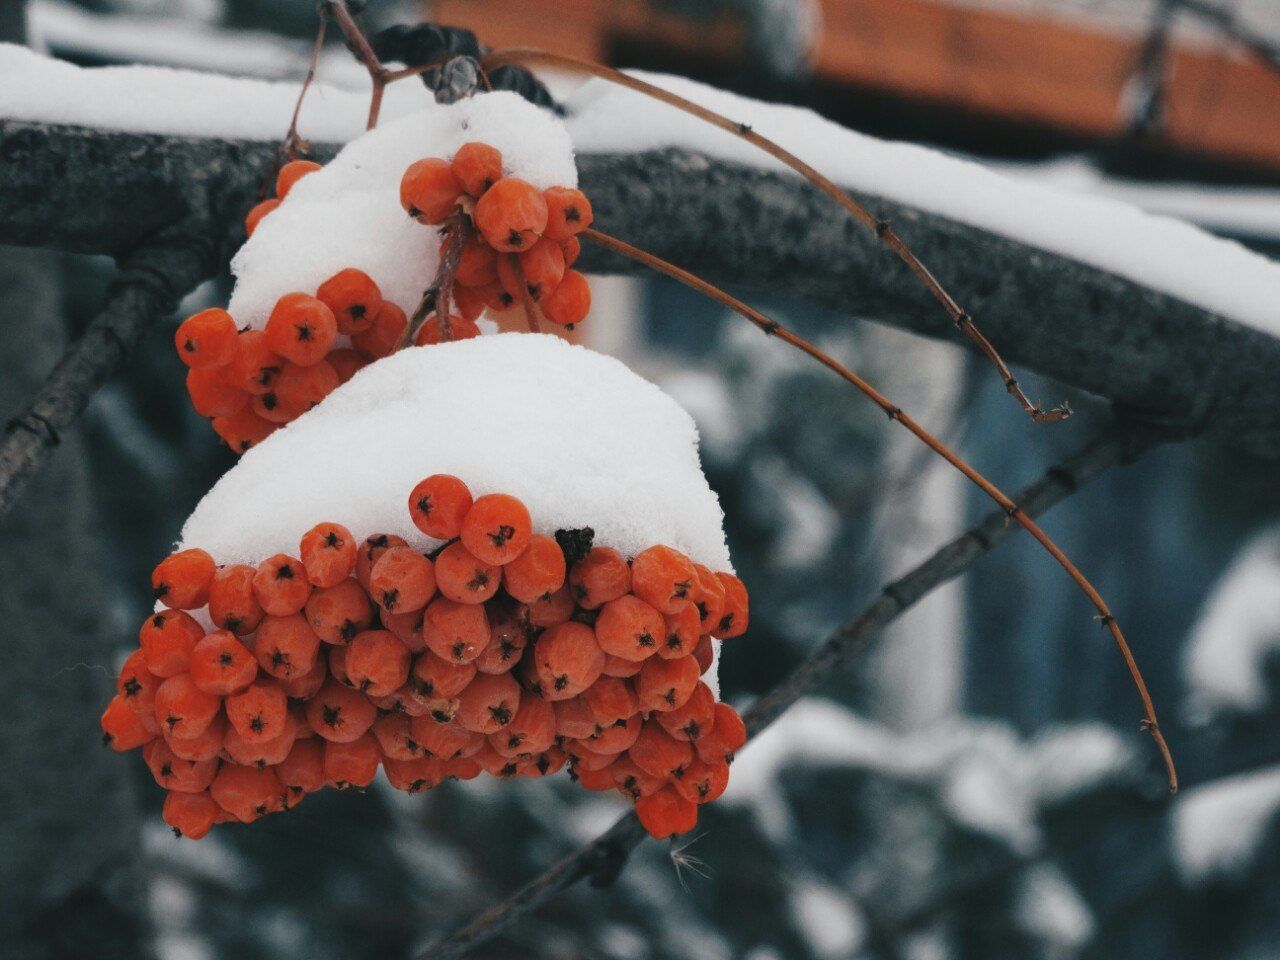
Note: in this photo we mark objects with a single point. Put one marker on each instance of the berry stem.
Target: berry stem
(440, 294)
(602, 859)
(360, 46)
(881, 228)
(291, 142)
(894, 412)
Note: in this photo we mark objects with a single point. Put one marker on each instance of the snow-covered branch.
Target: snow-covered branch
(1149, 352)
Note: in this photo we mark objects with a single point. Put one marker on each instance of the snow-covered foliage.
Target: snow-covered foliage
(348, 214)
(1238, 633)
(1159, 252)
(577, 436)
(1218, 828)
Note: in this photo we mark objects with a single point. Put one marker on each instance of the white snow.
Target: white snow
(1218, 827)
(348, 214)
(1238, 630)
(828, 919)
(1050, 909)
(577, 436)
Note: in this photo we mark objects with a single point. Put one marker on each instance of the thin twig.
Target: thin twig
(602, 859)
(291, 142)
(151, 282)
(880, 227)
(438, 296)
(894, 412)
(360, 46)
(526, 301)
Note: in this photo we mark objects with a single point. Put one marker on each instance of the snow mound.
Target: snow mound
(576, 435)
(1238, 631)
(348, 214)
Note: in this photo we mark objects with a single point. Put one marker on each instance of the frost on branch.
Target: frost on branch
(348, 214)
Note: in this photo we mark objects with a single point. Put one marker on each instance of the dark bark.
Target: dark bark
(1153, 355)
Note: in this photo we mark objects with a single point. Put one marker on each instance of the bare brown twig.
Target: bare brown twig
(603, 858)
(439, 295)
(894, 412)
(379, 75)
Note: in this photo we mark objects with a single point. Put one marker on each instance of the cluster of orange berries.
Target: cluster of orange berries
(503, 651)
(518, 243)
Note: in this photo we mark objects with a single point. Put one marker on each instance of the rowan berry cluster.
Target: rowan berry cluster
(517, 243)
(503, 651)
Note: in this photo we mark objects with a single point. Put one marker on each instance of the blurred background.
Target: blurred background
(978, 789)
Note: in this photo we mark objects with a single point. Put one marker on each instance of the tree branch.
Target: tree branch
(602, 859)
(151, 282)
(1151, 354)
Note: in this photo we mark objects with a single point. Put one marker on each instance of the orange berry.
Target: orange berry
(683, 631)
(353, 298)
(371, 551)
(301, 329)
(543, 268)
(430, 333)
(666, 813)
(666, 684)
(191, 815)
(602, 575)
(302, 770)
(414, 776)
(429, 191)
(621, 668)
(206, 746)
(286, 647)
(659, 754)
(296, 390)
(339, 713)
(568, 212)
(183, 709)
(725, 738)
(264, 753)
(254, 367)
(705, 654)
(629, 628)
(167, 639)
(206, 339)
(632, 781)
(247, 793)
(507, 640)
(435, 678)
(291, 173)
(280, 585)
(338, 613)
(735, 613)
(597, 781)
(610, 700)
(243, 429)
(548, 611)
(477, 166)
(260, 711)
(477, 263)
(538, 572)
(445, 741)
(255, 215)
(488, 703)
(708, 597)
(511, 215)
(402, 580)
(584, 758)
(382, 334)
(328, 553)
(495, 298)
(497, 528)
(438, 505)
(407, 627)
(532, 730)
(221, 664)
(664, 579)
(395, 737)
(458, 632)
(470, 302)
(568, 660)
(122, 727)
(211, 394)
(570, 302)
(693, 718)
(618, 735)
(572, 249)
(574, 719)
(352, 763)
(461, 577)
(346, 363)
(182, 579)
(304, 686)
(138, 686)
(703, 782)
(543, 764)
(377, 662)
(232, 603)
